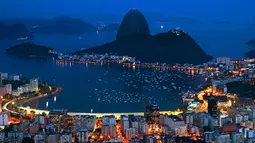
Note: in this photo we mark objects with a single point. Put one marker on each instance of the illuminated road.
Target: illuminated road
(117, 115)
(6, 104)
(204, 106)
(28, 109)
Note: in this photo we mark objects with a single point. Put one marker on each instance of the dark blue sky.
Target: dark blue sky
(199, 9)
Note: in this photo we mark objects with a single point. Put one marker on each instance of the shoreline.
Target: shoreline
(5, 107)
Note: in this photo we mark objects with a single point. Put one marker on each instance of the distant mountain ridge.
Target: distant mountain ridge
(64, 25)
(14, 32)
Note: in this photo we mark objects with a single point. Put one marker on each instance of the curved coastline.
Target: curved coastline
(5, 107)
(59, 89)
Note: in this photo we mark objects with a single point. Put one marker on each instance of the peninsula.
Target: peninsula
(134, 39)
(30, 50)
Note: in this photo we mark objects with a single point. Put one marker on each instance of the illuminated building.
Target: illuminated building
(2, 136)
(175, 123)
(14, 77)
(223, 119)
(53, 138)
(238, 118)
(223, 138)
(82, 135)
(15, 136)
(109, 130)
(151, 115)
(237, 65)
(223, 60)
(201, 120)
(209, 136)
(34, 84)
(50, 128)
(66, 138)
(189, 119)
(219, 87)
(212, 107)
(39, 138)
(151, 139)
(212, 122)
(87, 122)
(4, 119)
(124, 123)
(109, 120)
(237, 138)
(131, 132)
(4, 76)
(167, 139)
(229, 128)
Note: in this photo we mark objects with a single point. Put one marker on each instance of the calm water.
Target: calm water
(83, 85)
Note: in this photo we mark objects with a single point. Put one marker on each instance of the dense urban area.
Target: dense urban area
(220, 111)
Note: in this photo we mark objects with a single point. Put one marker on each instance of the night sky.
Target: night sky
(232, 10)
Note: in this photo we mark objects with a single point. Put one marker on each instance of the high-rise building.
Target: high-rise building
(109, 120)
(237, 65)
(212, 107)
(209, 136)
(131, 132)
(66, 138)
(109, 130)
(40, 138)
(15, 136)
(223, 138)
(83, 135)
(151, 115)
(223, 60)
(53, 138)
(87, 122)
(34, 84)
(237, 138)
(8, 88)
(4, 119)
(124, 123)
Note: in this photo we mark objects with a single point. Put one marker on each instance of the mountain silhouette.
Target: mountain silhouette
(133, 22)
(133, 39)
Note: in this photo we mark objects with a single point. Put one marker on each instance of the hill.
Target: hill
(250, 43)
(250, 54)
(134, 39)
(64, 25)
(171, 47)
(30, 50)
(133, 22)
(14, 32)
